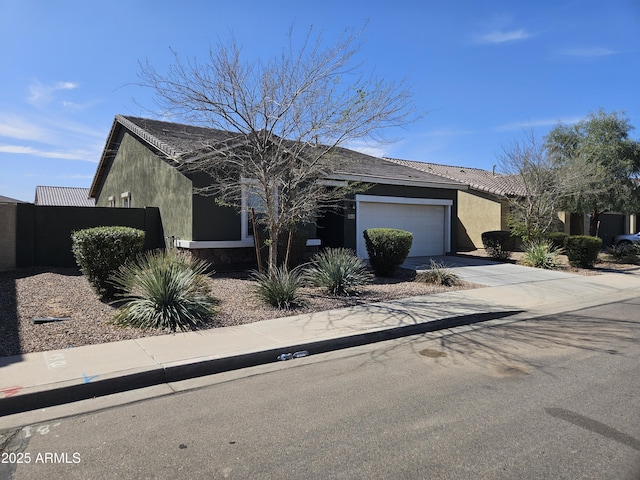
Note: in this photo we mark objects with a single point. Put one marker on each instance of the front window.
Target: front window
(252, 199)
(252, 203)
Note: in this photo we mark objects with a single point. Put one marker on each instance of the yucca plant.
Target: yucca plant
(338, 270)
(541, 254)
(280, 287)
(164, 290)
(438, 274)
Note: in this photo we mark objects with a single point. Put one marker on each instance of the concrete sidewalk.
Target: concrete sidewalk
(44, 379)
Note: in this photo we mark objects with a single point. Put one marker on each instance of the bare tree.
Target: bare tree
(545, 186)
(285, 116)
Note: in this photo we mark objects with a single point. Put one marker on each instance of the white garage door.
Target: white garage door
(426, 222)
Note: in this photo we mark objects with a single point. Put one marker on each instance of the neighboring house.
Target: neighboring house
(140, 166)
(4, 199)
(481, 208)
(63, 197)
(485, 205)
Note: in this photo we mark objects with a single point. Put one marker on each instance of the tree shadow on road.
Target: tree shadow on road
(508, 345)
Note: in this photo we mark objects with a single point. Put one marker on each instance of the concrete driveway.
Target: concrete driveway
(486, 272)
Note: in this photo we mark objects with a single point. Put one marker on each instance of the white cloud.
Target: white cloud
(17, 149)
(77, 107)
(42, 94)
(66, 85)
(498, 36)
(448, 133)
(13, 126)
(588, 52)
(543, 122)
(363, 147)
(49, 129)
(78, 154)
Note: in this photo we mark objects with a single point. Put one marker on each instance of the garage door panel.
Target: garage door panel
(425, 222)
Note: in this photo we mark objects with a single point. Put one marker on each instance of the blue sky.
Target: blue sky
(485, 71)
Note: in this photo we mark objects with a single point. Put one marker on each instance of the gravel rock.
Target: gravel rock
(30, 293)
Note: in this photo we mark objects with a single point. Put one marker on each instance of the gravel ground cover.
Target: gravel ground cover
(31, 293)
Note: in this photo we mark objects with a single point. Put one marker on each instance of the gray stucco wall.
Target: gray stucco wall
(152, 183)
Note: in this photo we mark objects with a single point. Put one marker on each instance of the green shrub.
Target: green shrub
(279, 288)
(557, 239)
(438, 274)
(582, 250)
(164, 290)
(387, 249)
(100, 251)
(499, 244)
(338, 270)
(541, 254)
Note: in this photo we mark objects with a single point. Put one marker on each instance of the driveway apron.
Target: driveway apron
(486, 272)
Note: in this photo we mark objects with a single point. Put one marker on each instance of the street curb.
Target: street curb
(167, 374)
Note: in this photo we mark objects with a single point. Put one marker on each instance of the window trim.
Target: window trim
(244, 208)
(125, 199)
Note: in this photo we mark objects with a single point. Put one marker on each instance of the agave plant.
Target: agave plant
(338, 270)
(279, 287)
(164, 290)
(439, 274)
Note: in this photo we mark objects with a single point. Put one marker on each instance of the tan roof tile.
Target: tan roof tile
(476, 178)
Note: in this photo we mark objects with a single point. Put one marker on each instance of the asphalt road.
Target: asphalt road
(555, 397)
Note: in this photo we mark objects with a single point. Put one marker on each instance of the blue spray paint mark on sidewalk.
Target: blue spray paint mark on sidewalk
(88, 378)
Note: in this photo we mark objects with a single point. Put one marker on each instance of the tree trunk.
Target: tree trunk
(594, 223)
(273, 249)
(289, 242)
(256, 239)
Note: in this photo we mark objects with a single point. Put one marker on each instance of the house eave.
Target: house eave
(396, 181)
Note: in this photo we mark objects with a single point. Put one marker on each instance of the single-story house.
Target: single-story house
(63, 196)
(140, 167)
(484, 206)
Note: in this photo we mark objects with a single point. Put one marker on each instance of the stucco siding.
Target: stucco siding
(151, 182)
(478, 213)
